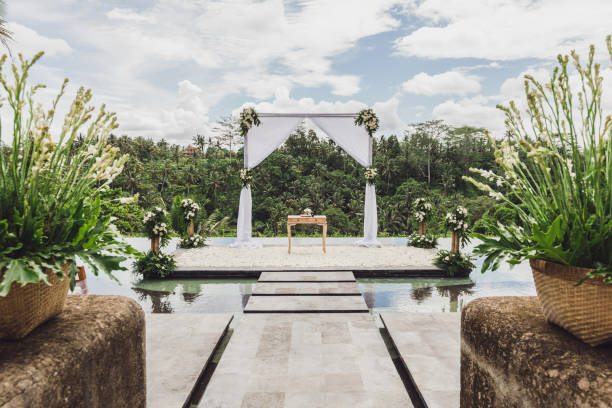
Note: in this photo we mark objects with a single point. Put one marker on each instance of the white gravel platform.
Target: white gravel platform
(276, 257)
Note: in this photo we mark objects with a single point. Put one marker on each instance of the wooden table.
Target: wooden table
(299, 219)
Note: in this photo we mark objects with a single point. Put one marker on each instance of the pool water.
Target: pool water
(381, 295)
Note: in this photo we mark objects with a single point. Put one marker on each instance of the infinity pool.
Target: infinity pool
(381, 295)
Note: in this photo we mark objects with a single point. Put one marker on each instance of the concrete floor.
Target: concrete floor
(307, 276)
(429, 345)
(297, 303)
(306, 288)
(305, 360)
(178, 348)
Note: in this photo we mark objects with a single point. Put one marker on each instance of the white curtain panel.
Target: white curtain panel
(244, 228)
(370, 219)
(352, 138)
(265, 138)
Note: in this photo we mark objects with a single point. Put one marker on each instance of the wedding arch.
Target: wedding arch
(264, 132)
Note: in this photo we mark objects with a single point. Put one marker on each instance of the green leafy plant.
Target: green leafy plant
(52, 188)
(455, 264)
(557, 165)
(155, 266)
(422, 241)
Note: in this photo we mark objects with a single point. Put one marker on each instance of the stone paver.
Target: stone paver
(178, 348)
(297, 303)
(307, 276)
(306, 288)
(305, 360)
(429, 345)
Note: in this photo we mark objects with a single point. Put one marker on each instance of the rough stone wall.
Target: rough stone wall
(511, 357)
(91, 355)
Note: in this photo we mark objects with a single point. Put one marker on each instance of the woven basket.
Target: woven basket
(26, 307)
(585, 310)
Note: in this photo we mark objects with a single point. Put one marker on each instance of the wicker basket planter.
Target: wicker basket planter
(27, 307)
(585, 310)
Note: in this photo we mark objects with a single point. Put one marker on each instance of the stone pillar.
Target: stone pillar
(91, 355)
(512, 357)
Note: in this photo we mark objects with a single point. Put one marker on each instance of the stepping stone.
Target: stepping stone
(306, 304)
(179, 346)
(306, 288)
(429, 346)
(306, 360)
(307, 276)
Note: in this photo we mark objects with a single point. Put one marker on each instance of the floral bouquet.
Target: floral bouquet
(370, 174)
(307, 212)
(422, 241)
(248, 118)
(190, 209)
(456, 222)
(368, 119)
(422, 209)
(246, 176)
(195, 241)
(155, 225)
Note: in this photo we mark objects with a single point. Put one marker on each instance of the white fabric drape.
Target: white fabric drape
(370, 219)
(265, 138)
(244, 227)
(262, 140)
(353, 139)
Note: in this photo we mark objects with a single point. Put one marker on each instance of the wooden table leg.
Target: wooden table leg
(289, 236)
(324, 236)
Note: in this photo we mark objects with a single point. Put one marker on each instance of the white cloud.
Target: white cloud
(447, 83)
(505, 29)
(471, 112)
(223, 47)
(390, 122)
(29, 42)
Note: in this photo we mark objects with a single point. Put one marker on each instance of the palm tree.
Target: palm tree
(200, 142)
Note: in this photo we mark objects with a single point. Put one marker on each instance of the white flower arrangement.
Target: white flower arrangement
(155, 223)
(457, 223)
(248, 118)
(422, 209)
(307, 212)
(246, 176)
(368, 119)
(196, 241)
(190, 209)
(422, 241)
(370, 174)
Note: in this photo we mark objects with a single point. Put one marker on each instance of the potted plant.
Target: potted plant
(154, 264)
(556, 175)
(454, 262)
(52, 180)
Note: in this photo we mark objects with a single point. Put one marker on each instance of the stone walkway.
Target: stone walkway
(285, 360)
(178, 347)
(429, 346)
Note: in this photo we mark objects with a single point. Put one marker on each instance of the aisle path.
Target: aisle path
(307, 359)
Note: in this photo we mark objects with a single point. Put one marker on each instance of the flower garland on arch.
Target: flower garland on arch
(248, 118)
(370, 174)
(368, 119)
(246, 176)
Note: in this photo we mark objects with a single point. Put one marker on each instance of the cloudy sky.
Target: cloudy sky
(171, 68)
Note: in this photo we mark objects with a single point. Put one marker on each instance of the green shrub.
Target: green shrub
(155, 266)
(456, 265)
